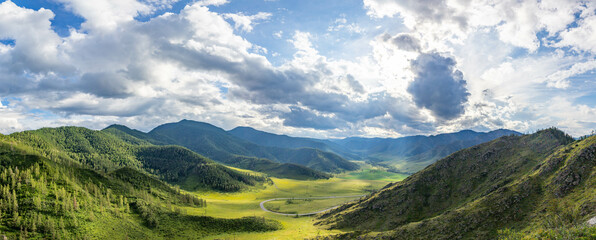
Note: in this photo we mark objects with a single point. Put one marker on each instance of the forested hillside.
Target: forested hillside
(540, 185)
(60, 198)
(106, 151)
(270, 167)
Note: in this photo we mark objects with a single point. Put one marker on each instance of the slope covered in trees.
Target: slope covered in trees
(46, 199)
(540, 185)
(272, 168)
(107, 151)
(219, 145)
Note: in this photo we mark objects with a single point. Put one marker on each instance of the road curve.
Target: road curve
(304, 214)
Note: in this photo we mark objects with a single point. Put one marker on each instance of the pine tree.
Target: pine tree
(37, 202)
(75, 205)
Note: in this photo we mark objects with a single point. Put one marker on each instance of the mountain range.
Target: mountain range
(406, 154)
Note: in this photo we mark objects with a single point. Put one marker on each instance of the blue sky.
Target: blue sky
(374, 68)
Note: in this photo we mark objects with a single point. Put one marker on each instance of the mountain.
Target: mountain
(539, 185)
(106, 151)
(406, 154)
(284, 141)
(56, 197)
(219, 145)
(413, 153)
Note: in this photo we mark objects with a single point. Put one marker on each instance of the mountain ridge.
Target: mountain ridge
(483, 191)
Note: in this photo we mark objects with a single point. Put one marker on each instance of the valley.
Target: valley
(235, 205)
(69, 182)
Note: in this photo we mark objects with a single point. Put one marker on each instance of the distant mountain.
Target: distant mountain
(284, 141)
(540, 185)
(106, 152)
(222, 146)
(413, 153)
(406, 154)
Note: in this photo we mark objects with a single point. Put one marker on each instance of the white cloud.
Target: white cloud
(9, 120)
(560, 79)
(278, 34)
(582, 37)
(106, 14)
(517, 22)
(212, 2)
(36, 48)
(247, 23)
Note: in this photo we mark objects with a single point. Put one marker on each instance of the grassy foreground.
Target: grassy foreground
(236, 205)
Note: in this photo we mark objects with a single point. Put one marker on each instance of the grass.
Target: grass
(236, 205)
(298, 206)
(374, 174)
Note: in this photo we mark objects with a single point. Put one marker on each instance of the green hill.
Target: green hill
(107, 151)
(272, 168)
(46, 199)
(219, 145)
(539, 185)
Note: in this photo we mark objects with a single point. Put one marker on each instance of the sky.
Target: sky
(313, 68)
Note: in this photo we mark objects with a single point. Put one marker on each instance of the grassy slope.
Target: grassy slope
(110, 150)
(219, 145)
(530, 184)
(45, 199)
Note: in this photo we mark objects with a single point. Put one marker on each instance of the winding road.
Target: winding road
(304, 214)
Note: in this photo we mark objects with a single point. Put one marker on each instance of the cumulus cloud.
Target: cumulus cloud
(36, 44)
(107, 14)
(246, 23)
(438, 86)
(518, 22)
(582, 37)
(403, 41)
(9, 120)
(560, 79)
(212, 2)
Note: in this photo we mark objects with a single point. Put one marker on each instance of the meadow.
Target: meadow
(373, 173)
(236, 205)
(302, 206)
